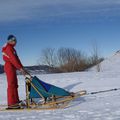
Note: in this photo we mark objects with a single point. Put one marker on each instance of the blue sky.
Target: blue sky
(60, 23)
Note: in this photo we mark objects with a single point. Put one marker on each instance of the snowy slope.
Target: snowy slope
(104, 106)
(111, 64)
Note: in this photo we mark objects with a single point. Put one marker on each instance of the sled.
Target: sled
(44, 96)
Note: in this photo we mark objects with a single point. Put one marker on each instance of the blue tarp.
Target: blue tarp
(45, 89)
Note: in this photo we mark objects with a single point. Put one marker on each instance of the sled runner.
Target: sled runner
(42, 96)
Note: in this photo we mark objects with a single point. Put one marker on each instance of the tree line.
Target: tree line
(70, 59)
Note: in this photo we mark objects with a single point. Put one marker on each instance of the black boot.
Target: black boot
(13, 107)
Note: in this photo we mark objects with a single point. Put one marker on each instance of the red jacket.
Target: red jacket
(10, 55)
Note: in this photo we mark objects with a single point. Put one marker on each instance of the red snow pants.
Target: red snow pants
(12, 90)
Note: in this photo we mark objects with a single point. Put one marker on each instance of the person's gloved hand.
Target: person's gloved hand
(24, 72)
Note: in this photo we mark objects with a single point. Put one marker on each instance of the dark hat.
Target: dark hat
(11, 38)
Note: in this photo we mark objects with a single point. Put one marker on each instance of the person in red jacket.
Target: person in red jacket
(12, 63)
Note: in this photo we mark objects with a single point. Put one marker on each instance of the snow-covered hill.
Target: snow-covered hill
(104, 106)
(111, 64)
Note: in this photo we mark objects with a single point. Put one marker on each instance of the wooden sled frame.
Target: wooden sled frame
(64, 100)
(55, 102)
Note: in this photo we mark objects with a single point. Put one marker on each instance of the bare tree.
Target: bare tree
(71, 59)
(48, 56)
(96, 60)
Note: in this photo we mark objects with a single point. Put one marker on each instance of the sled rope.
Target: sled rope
(103, 91)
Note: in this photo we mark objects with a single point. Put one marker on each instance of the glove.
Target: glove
(24, 72)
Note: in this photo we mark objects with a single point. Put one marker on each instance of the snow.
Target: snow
(111, 64)
(103, 106)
